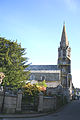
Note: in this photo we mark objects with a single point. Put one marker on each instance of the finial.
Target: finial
(64, 26)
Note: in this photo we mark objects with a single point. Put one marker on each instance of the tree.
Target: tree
(13, 62)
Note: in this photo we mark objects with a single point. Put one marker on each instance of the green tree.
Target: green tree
(13, 62)
(43, 83)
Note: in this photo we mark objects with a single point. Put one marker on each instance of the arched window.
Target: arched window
(43, 78)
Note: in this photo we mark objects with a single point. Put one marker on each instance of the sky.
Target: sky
(38, 24)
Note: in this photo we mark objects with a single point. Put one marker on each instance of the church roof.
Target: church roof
(42, 67)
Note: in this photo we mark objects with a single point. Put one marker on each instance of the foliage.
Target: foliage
(12, 62)
(41, 85)
(42, 88)
(30, 90)
(33, 90)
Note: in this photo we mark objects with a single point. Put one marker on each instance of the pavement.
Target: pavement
(29, 114)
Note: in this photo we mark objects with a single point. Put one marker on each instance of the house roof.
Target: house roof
(42, 67)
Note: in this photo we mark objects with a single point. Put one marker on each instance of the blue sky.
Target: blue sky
(37, 25)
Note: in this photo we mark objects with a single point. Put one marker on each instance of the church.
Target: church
(59, 74)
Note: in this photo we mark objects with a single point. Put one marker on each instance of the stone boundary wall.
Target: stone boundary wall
(49, 103)
(10, 103)
(46, 103)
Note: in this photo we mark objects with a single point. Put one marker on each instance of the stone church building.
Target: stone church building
(59, 74)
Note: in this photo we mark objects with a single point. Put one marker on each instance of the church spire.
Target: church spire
(64, 61)
(64, 40)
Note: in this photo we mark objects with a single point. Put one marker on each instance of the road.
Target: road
(69, 112)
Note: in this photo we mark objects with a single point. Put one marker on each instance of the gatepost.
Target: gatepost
(19, 100)
(40, 106)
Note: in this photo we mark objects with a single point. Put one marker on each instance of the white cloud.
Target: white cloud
(76, 78)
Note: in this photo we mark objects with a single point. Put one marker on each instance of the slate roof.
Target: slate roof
(42, 67)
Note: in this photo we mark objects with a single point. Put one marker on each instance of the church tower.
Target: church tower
(64, 60)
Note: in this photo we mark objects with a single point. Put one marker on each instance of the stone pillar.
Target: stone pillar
(40, 106)
(19, 100)
(1, 100)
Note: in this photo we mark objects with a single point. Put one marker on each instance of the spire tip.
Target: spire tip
(64, 23)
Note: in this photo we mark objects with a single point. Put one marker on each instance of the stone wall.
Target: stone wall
(10, 103)
(54, 90)
(47, 76)
(49, 103)
(46, 103)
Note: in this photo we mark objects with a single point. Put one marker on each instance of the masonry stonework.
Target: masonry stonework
(47, 76)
